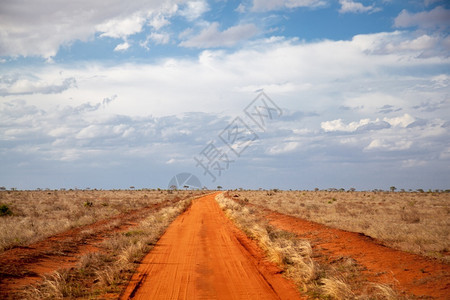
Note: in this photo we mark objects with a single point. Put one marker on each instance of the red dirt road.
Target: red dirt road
(413, 274)
(203, 255)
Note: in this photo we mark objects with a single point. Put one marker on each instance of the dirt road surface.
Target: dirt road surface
(203, 255)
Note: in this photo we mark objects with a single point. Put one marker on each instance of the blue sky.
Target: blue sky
(108, 94)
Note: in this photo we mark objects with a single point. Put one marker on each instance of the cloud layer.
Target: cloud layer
(359, 106)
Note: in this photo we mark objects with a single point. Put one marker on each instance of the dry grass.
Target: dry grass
(36, 215)
(341, 280)
(336, 288)
(281, 247)
(104, 274)
(414, 222)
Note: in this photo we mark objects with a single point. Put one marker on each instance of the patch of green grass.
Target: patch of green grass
(133, 233)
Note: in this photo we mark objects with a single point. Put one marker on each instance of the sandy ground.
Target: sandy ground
(203, 255)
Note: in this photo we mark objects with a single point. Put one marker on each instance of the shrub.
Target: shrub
(5, 210)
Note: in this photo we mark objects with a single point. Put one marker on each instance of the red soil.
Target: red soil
(203, 255)
(413, 274)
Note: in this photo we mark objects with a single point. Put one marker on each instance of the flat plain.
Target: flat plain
(236, 244)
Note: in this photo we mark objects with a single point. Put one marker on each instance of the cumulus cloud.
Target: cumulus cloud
(350, 6)
(338, 125)
(121, 27)
(159, 21)
(19, 85)
(417, 44)
(40, 27)
(194, 9)
(402, 121)
(159, 38)
(437, 18)
(367, 124)
(286, 147)
(87, 128)
(211, 37)
(357, 74)
(360, 126)
(424, 45)
(122, 47)
(388, 145)
(147, 121)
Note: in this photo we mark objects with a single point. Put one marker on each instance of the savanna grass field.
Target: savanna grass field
(79, 244)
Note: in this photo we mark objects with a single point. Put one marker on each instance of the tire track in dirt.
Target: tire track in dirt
(202, 255)
(411, 273)
(22, 266)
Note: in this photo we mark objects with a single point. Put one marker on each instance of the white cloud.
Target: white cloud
(268, 5)
(356, 75)
(389, 145)
(411, 163)
(194, 9)
(439, 17)
(23, 85)
(147, 121)
(423, 42)
(159, 38)
(211, 37)
(170, 161)
(159, 21)
(41, 27)
(122, 47)
(283, 148)
(161, 18)
(338, 125)
(361, 125)
(413, 44)
(122, 27)
(350, 6)
(402, 121)
(441, 81)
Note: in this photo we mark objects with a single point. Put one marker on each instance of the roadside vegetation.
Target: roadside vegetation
(29, 216)
(340, 279)
(105, 273)
(417, 222)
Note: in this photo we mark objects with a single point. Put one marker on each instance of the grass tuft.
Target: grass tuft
(336, 288)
